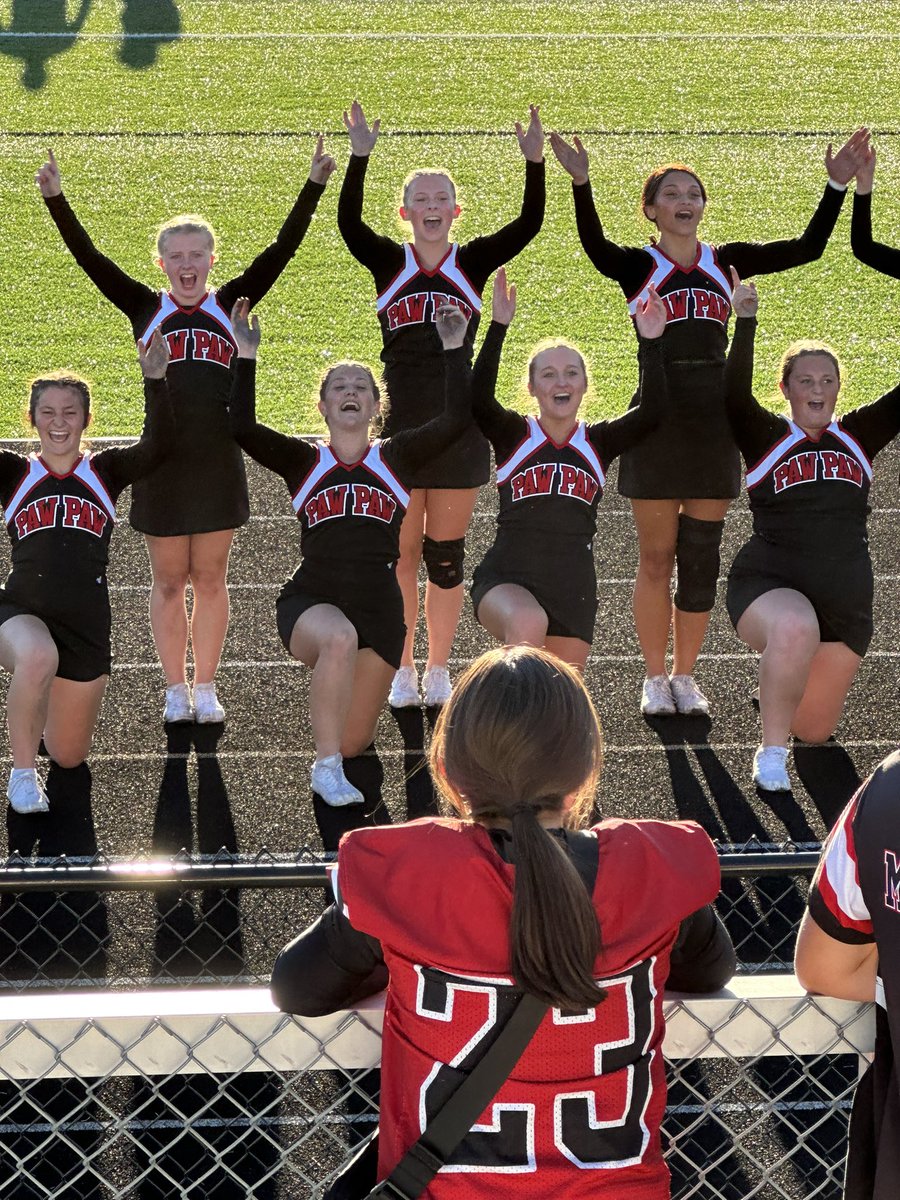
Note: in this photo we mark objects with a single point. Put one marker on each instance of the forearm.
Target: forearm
(703, 957)
(877, 255)
(329, 966)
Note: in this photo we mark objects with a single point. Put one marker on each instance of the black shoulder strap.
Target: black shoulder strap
(447, 1129)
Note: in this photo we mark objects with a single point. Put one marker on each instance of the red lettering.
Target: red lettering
(849, 469)
(372, 502)
(328, 503)
(177, 342)
(202, 341)
(829, 464)
(39, 514)
(676, 303)
(82, 514)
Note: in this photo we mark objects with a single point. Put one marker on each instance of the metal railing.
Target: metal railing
(202, 1093)
(156, 1087)
(185, 921)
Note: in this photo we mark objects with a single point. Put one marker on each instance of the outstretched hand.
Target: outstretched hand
(573, 159)
(154, 356)
(841, 167)
(744, 299)
(503, 299)
(651, 315)
(245, 328)
(47, 178)
(362, 136)
(451, 323)
(865, 175)
(531, 140)
(322, 164)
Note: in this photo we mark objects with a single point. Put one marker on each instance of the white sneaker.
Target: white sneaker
(656, 698)
(770, 769)
(436, 687)
(26, 792)
(404, 691)
(689, 700)
(329, 781)
(179, 705)
(207, 709)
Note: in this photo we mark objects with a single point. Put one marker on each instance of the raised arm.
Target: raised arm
(611, 438)
(497, 423)
(765, 258)
(289, 457)
(380, 255)
(877, 255)
(265, 269)
(127, 294)
(483, 255)
(627, 265)
(122, 465)
(753, 426)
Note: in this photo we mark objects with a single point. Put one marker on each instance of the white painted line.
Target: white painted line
(170, 35)
(593, 659)
(389, 753)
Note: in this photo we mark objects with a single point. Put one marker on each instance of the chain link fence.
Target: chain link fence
(157, 1087)
(221, 920)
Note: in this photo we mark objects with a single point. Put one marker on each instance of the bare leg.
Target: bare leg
(170, 559)
(27, 651)
(657, 529)
(512, 615)
(371, 683)
(831, 673)
(571, 650)
(72, 718)
(325, 640)
(209, 619)
(411, 533)
(448, 512)
(689, 628)
(783, 627)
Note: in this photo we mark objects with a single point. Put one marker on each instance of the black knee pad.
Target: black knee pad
(444, 561)
(697, 558)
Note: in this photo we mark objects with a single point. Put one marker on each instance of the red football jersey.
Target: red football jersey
(580, 1114)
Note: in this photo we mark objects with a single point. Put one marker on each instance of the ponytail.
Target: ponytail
(518, 738)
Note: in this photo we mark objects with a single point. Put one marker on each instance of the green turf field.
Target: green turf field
(155, 107)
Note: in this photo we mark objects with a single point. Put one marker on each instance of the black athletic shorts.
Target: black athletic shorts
(380, 627)
(568, 595)
(841, 592)
(84, 654)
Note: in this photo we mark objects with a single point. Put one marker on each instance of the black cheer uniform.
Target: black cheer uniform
(855, 899)
(810, 502)
(691, 454)
(350, 513)
(408, 297)
(202, 486)
(549, 492)
(885, 259)
(60, 528)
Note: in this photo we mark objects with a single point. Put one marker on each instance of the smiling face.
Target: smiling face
(348, 397)
(558, 381)
(810, 382)
(429, 204)
(59, 418)
(676, 203)
(187, 259)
